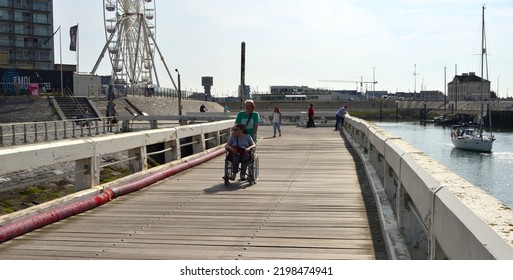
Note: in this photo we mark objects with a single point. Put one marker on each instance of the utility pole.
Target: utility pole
(373, 79)
(179, 95)
(242, 74)
(456, 91)
(415, 74)
(445, 88)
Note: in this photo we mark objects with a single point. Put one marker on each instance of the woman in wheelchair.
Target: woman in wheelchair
(239, 146)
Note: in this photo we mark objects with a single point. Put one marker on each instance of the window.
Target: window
(42, 30)
(22, 16)
(22, 29)
(5, 15)
(41, 6)
(42, 55)
(5, 27)
(24, 4)
(41, 18)
(5, 3)
(5, 40)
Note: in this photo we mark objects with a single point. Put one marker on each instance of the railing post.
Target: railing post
(25, 133)
(64, 128)
(35, 132)
(139, 161)
(90, 175)
(172, 150)
(198, 145)
(1, 136)
(13, 134)
(56, 134)
(96, 127)
(73, 129)
(46, 131)
(218, 138)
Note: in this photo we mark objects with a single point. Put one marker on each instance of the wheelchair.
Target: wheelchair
(252, 171)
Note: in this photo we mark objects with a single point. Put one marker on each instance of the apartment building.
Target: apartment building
(26, 28)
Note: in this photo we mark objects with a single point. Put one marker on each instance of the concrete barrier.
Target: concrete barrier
(438, 214)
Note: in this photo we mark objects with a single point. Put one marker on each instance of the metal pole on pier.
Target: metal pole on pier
(242, 74)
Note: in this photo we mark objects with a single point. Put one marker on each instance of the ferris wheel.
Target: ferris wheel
(130, 34)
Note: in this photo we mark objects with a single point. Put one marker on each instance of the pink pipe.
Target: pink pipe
(47, 217)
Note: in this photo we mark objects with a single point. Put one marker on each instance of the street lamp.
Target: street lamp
(179, 95)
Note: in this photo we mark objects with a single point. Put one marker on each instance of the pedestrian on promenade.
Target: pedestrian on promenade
(310, 116)
(249, 118)
(276, 120)
(239, 145)
(341, 113)
(203, 109)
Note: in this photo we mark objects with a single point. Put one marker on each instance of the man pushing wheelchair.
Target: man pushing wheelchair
(239, 147)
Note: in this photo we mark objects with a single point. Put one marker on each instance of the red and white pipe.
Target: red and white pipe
(28, 224)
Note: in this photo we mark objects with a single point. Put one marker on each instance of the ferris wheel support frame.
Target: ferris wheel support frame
(147, 34)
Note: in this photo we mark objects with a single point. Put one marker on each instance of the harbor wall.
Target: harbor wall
(438, 214)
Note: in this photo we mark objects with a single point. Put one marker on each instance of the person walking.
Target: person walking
(341, 113)
(310, 116)
(277, 121)
(249, 118)
(203, 109)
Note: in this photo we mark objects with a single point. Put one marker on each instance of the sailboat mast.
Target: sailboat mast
(483, 45)
(483, 52)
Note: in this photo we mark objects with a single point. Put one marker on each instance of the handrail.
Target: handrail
(438, 213)
(87, 153)
(13, 134)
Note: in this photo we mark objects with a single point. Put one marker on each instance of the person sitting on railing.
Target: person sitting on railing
(239, 146)
(85, 118)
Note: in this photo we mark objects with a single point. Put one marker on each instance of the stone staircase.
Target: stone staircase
(73, 107)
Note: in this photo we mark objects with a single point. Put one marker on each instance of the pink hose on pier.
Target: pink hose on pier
(47, 217)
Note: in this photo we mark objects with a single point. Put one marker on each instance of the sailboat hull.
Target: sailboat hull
(473, 144)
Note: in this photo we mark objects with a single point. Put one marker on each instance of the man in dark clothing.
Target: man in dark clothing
(310, 116)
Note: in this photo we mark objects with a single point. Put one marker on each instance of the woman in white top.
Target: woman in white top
(276, 120)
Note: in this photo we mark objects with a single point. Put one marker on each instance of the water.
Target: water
(492, 172)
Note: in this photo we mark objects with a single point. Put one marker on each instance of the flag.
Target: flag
(44, 43)
(73, 38)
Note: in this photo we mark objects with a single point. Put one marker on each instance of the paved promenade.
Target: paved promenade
(312, 202)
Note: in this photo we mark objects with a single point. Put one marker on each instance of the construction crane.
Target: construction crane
(361, 82)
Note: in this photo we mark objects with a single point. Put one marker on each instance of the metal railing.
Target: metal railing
(13, 134)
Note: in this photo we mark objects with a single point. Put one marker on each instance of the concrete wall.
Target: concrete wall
(438, 214)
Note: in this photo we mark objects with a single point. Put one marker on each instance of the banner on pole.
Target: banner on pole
(73, 38)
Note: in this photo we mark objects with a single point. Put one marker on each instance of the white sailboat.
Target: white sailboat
(470, 136)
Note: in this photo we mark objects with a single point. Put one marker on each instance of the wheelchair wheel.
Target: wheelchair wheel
(253, 170)
(227, 172)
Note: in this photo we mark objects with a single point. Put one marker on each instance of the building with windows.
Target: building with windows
(295, 93)
(26, 29)
(27, 64)
(468, 86)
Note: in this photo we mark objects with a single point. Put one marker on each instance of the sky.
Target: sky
(404, 45)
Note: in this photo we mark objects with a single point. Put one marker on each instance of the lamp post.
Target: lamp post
(179, 95)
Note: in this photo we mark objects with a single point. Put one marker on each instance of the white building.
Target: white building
(468, 86)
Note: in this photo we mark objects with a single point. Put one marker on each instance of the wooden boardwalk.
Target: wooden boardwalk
(312, 202)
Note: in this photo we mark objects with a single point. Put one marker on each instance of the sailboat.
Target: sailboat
(470, 136)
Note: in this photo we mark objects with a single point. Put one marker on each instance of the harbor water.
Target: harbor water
(492, 172)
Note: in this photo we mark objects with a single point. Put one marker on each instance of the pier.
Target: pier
(322, 194)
